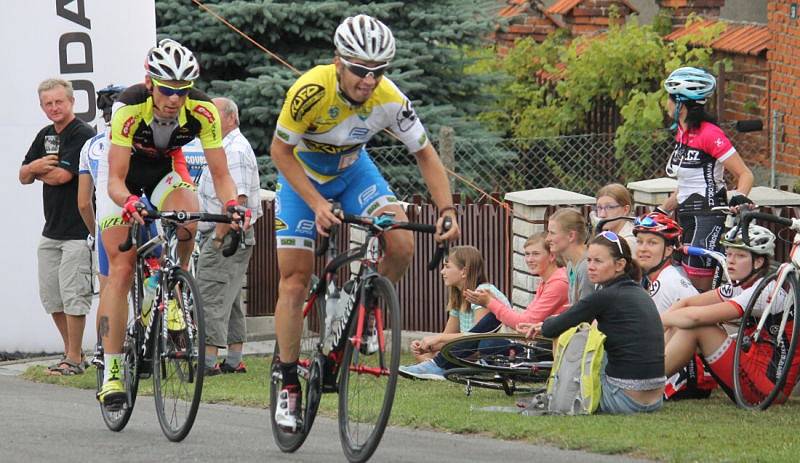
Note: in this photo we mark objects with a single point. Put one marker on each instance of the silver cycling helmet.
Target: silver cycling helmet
(690, 84)
(170, 60)
(364, 37)
(762, 241)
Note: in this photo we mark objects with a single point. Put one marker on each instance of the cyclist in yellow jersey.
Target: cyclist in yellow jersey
(329, 114)
(150, 123)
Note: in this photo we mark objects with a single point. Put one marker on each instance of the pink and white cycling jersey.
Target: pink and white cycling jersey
(697, 160)
(671, 285)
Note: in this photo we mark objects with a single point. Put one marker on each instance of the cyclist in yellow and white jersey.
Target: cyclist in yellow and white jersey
(329, 114)
(149, 124)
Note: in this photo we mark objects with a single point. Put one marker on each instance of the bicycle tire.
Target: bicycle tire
(309, 372)
(179, 359)
(509, 383)
(502, 353)
(118, 419)
(371, 371)
(745, 342)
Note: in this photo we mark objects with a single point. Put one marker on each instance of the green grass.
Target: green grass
(709, 430)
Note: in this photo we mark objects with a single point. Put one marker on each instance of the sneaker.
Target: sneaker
(175, 321)
(287, 410)
(212, 371)
(423, 370)
(226, 368)
(112, 395)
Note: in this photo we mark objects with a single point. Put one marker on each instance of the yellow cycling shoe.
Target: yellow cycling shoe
(175, 321)
(112, 395)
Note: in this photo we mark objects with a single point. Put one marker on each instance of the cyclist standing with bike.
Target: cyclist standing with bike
(701, 156)
(330, 113)
(151, 122)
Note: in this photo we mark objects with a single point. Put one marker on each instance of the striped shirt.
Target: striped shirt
(244, 171)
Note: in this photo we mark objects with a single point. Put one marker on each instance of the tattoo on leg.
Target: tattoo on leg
(102, 328)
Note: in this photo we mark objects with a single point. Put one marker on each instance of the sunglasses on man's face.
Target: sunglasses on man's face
(362, 72)
(168, 90)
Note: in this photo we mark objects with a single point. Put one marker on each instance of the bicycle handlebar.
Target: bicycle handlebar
(183, 217)
(602, 222)
(749, 216)
(386, 222)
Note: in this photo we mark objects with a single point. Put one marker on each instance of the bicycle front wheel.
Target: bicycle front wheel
(764, 359)
(179, 356)
(369, 370)
(117, 420)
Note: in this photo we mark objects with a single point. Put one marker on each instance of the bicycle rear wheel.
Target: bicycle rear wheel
(117, 420)
(178, 359)
(369, 370)
(501, 353)
(508, 383)
(764, 359)
(309, 371)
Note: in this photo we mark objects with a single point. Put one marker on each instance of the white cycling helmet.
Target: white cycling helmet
(170, 60)
(364, 37)
(692, 84)
(762, 241)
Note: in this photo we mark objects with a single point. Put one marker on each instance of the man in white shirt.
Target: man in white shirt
(219, 278)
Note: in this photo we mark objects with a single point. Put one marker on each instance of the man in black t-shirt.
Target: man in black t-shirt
(64, 260)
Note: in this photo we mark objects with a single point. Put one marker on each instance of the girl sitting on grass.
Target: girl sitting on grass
(463, 269)
(551, 294)
(632, 377)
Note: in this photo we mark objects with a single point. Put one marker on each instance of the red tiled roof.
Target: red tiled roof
(565, 6)
(742, 39)
(521, 7)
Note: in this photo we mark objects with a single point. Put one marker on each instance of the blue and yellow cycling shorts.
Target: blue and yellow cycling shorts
(360, 189)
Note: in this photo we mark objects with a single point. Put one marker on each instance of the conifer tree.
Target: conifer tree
(430, 65)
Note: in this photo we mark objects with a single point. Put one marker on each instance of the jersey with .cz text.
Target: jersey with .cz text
(329, 133)
(697, 159)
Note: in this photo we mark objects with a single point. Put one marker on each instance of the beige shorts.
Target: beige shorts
(65, 276)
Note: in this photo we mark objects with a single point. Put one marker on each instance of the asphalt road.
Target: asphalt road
(48, 423)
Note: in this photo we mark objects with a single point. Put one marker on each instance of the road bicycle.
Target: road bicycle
(768, 327)
(508, 362)
(355, 353)
(171, 351)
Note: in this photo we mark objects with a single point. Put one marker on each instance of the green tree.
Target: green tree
(432, 39)
(553, 86)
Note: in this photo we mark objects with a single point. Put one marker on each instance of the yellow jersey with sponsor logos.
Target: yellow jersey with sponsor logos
(329, 133)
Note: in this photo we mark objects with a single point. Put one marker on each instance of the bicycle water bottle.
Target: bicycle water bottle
(331, 307)
(150, 285)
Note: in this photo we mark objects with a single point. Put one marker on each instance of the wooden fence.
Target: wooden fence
(422, 294)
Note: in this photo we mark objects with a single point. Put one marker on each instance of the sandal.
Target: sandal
(56, 365)
(67, 368)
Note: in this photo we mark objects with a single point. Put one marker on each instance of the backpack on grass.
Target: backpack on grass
(574, 384)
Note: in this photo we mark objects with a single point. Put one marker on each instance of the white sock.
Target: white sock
(113, 367)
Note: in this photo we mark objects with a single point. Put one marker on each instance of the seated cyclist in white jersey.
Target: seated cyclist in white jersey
(657, 236)
(329, 115)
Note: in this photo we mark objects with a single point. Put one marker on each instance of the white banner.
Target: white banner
(92, 43)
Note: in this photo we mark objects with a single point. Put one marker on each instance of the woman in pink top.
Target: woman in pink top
(551, 295)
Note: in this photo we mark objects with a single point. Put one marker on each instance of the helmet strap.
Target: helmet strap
(678, 105)
(663, 263)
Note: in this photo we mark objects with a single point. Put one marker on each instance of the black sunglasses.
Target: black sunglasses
(362, 71)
